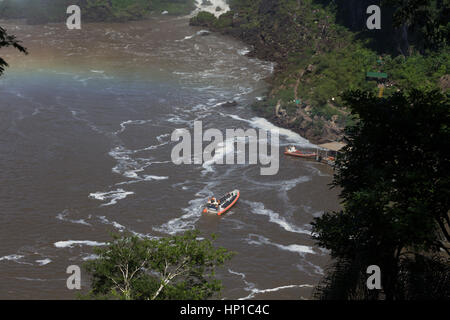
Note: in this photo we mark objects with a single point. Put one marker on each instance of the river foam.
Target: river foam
(113, 196)
(258, 240)
(258, 208)
(251, 287)
(73, 243)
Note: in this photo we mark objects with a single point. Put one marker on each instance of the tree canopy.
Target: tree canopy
(395, 180)
(175, 268)
(7, 40)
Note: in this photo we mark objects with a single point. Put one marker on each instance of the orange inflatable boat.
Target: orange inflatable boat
(222, 205)
(292, 151)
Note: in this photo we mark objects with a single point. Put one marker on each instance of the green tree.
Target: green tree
(395, 180)
(7, 40)
(178, 267)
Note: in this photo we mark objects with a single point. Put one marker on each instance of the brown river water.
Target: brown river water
(85, 149)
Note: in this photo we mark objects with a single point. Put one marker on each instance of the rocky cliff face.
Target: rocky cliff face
(353, 14)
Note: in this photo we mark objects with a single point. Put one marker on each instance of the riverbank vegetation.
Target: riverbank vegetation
(43, 11)
(323, 48)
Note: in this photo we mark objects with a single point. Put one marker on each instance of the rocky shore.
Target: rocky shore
(284, 105)
(321, 50)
